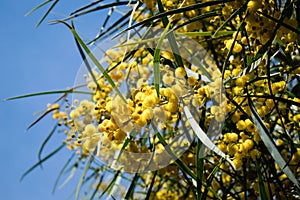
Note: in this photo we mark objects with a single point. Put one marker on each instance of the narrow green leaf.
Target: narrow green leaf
(200, 168)
(111, 184)
(94, 60)
(151, 186)
(113, 28)
(205, 33)
(229, 19)
(178, 161)
(61, 172)
(37, 7)
(109, 5)
(46, 14)
(137, 42)
(203, 137)
(81, 180)
(174, 11)
(264, 135)
(198, 64)
(87, 64)
(42, 161)
(262, 190)
(170, 36)
(72, 173)
(86, 6)
(130, 191)
(156, 61)
(47, 93)
(45, 142)
(40, 118)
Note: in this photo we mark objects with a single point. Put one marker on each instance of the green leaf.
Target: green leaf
(175, 11)
(151, 186)
(130, 191)
(94, 60)
(42, 161)
(41, 117)
(72, 173)
(81, 180)
(111, 184)
(199, 168)
(156, 61)
(47, 93)
(178, 161)
(109, 5)
(205, 33)
(87, 6)
(137, 42)
(37, 7)
(45, 142)
(262, 190)
(229, 19)
(46, 14)
(170, 36)
(265, 137)
(203, 137)
(61, 172)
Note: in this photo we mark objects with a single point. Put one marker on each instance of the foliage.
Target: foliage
(248, 81)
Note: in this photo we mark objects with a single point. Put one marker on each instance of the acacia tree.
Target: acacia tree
(184, 100)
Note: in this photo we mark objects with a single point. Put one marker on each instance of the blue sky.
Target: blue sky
(32, 60)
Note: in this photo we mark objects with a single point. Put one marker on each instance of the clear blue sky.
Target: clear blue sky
(32, 60)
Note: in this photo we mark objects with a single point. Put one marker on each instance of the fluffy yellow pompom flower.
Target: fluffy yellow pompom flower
(237, 47)
(253, 6)
(180, 72)
(241, 125)
(74, 114)
(89, 130)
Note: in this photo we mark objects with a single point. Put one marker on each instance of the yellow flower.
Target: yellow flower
(241, 125)
(74, 114)
(180, 72)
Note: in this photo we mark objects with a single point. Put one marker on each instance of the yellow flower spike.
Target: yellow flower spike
(241, 125)
(214, 109)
